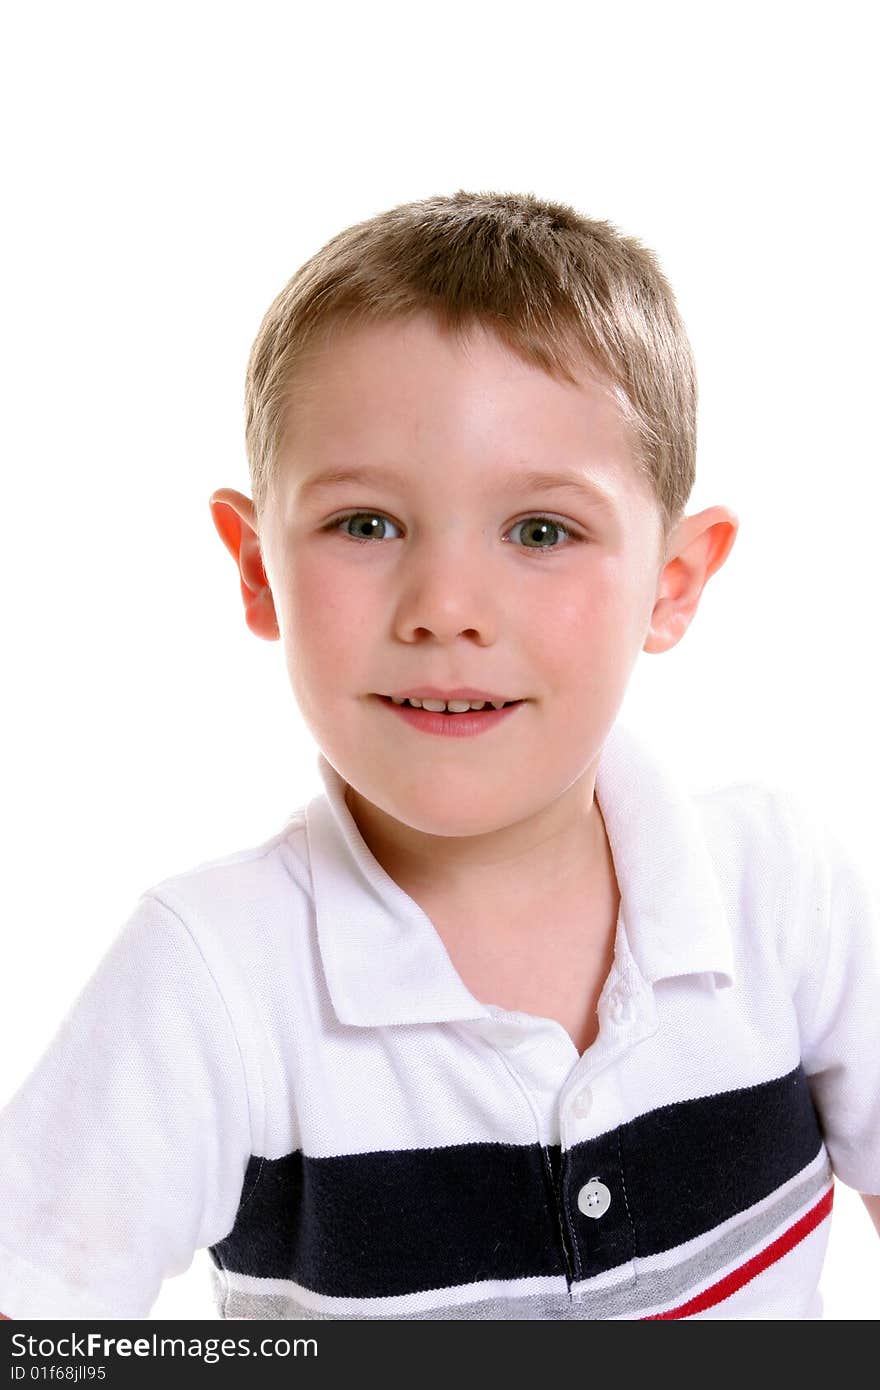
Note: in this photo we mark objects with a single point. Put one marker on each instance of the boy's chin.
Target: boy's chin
(454, 810)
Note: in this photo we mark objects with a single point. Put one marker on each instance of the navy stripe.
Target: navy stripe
(396, 1221)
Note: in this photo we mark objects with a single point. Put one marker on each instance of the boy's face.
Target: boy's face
(459, 581)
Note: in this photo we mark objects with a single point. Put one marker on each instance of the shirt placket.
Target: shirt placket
(595, 1207)
(579, 1113)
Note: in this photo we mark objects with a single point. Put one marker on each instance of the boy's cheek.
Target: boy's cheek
(319, 597)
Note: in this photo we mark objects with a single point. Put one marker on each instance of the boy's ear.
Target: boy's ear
(698, 547)
(234, 516)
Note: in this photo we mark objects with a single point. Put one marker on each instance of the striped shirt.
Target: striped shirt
(277, 1060)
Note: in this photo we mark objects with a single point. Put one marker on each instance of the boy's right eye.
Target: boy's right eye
(366, 520)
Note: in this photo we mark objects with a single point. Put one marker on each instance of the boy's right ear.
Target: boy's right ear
(234, 516)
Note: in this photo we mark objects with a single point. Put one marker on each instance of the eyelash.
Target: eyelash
(574, 535)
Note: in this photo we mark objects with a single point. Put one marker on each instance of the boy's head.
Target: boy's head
(560, 290)
(467, 348)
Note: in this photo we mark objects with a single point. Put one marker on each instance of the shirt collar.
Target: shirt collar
(385, 962)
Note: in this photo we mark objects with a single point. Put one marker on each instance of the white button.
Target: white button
(582, 1103)
(594, 1199)
(506, 1034)
(621, 1008)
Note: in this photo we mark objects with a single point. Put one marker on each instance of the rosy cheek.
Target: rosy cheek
(569, 617)
(326, 604)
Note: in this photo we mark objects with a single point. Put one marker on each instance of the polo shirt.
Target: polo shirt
(276, 1060)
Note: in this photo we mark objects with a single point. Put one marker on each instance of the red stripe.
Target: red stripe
(735, 1280)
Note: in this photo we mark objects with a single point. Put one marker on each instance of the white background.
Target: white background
(166, 169)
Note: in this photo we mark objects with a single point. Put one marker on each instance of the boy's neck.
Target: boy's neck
(565, 853)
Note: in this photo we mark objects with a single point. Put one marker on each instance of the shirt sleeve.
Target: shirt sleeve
(838, 999)
(125, 1149)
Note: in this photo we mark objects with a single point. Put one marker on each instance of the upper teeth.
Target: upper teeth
(456, 706)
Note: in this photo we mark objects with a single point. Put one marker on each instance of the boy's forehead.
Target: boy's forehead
(420, 349)
(391, 393)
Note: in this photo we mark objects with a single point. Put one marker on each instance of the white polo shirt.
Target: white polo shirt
(277, 1060)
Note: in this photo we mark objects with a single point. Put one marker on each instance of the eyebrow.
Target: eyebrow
(532, 480)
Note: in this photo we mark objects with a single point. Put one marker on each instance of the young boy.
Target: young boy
(504, 1023)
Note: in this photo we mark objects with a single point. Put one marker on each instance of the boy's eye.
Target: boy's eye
(368, 524)
(539, 532)
(538, 529)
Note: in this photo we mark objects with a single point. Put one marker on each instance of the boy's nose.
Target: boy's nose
(448, 593)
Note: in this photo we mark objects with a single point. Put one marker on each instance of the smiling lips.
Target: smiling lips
(462, 693)
(463, 722)
(450, 706)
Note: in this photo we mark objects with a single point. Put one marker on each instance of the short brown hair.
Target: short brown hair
(561, 290)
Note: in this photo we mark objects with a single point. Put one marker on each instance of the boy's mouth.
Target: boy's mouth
(451, 707)
(456, 723)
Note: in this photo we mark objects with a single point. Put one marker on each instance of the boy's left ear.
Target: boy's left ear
(235, 518)
(698, 547)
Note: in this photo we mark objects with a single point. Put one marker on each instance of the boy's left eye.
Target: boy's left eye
(537, 527)
(544, 526)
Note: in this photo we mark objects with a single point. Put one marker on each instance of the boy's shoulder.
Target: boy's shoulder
(751, 811)
(254, 886)
(765, 836)
(794, 889)
(786, 828)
